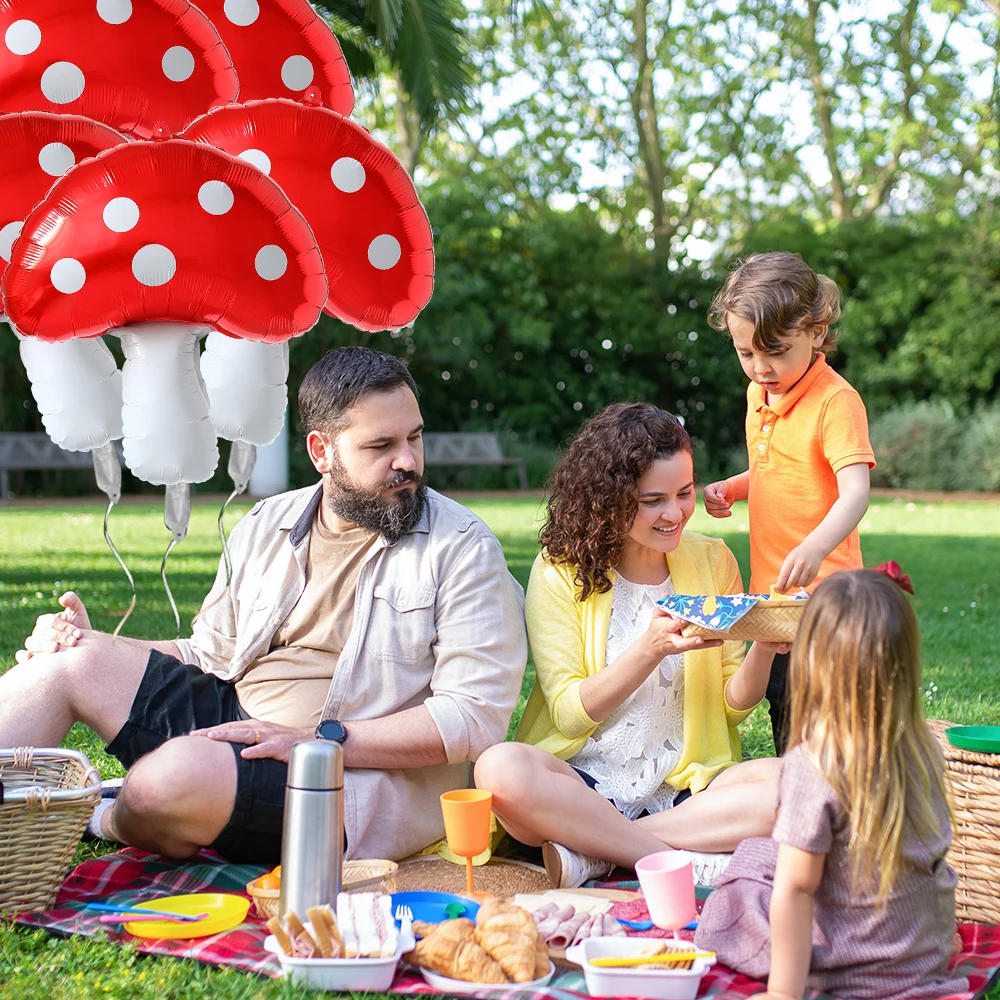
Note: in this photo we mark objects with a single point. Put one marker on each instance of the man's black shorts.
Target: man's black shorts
(175, 698)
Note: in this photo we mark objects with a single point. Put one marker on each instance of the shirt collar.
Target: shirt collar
(298, 521)
(758, 395)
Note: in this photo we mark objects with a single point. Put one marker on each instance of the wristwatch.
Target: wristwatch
(331, 729)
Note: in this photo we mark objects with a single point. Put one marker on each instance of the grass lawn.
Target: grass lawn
(950, 550)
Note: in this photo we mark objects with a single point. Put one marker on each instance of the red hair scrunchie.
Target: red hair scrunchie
(894, 571)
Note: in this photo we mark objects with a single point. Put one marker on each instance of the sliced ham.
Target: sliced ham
(549, 924)
(565, 933)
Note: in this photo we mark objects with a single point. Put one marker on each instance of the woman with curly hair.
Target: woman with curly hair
(628, 744)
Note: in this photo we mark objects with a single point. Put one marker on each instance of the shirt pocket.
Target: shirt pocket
(402, 627)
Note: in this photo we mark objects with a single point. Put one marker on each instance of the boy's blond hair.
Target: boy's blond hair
(856, 709)
(781, 295)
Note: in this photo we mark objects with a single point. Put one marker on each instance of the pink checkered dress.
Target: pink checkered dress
(858, 951)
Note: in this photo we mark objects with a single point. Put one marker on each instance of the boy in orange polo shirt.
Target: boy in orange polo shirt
(807, 437)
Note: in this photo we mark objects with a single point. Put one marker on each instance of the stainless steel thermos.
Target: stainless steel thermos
(312, 843)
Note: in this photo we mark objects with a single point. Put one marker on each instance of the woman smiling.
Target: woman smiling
(628, 743)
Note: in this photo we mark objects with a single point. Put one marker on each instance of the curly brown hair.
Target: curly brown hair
(780, 294)
(593, 492)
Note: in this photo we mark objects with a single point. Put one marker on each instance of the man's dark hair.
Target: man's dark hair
(339, 379)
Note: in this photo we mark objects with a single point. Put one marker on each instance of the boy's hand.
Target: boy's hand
(718, 499)
(800, 567)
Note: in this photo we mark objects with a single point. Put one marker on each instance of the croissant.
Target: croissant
(541, 959)
(450, 950)
(509, 936)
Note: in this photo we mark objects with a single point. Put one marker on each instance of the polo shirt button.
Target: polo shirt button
(760, 447)
(766, 428)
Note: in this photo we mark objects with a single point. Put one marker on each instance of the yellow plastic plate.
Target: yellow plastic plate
(225, 911)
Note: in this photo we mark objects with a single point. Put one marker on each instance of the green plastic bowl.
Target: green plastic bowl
(983, 739)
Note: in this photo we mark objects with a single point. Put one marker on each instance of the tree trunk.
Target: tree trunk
(644, 111)
(409, 127)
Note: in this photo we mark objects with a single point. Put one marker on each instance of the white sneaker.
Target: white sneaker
(109, 793)
(567, 869)
(708, 868)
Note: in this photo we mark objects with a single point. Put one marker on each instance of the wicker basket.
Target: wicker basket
(975, 848)
(767, 621)
(49, 794)
(375, 875)
(265, 901)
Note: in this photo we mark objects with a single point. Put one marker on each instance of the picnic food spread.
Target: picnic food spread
(501, 947)
(362, 928)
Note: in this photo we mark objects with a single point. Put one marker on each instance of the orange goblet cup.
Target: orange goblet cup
(466, 814)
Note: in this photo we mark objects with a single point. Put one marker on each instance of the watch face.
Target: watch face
(331, 729)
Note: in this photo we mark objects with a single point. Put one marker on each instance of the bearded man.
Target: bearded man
(369, 610)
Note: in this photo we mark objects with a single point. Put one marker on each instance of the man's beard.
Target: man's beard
(391, 517)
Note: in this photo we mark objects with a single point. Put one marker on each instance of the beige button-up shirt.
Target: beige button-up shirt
(438, 621)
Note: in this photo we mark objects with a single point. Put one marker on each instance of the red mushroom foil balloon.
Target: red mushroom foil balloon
(358, 198)
(158, 242)
(369, 223)
(281, 48)
(127, 63)
(76, 385)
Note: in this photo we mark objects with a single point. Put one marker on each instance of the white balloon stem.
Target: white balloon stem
(245, 381)
(177, 509)
(169, 437)
(78, 390)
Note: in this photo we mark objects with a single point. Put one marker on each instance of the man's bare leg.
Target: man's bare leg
(176, 799)
(94, 681)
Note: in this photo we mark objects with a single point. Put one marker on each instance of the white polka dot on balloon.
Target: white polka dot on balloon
(114, 11)
(258, 158)
(154, 265)
(121, 215)
(384, 252)
(270, 262)
(177, 63)
(215, 197)
(55, 158)
(348, 174)
(67, 276)
(22, 38)
(8, 234)
(297, 72)
(241, 12)
(63, 82)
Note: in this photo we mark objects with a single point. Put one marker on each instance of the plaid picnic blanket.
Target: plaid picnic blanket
(129, 876)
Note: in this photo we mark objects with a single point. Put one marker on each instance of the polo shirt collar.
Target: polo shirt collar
(298, 521)
(790, 398)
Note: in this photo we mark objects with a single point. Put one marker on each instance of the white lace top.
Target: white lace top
(638, 744)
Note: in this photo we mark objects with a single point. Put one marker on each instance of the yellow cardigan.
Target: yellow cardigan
(568, 640)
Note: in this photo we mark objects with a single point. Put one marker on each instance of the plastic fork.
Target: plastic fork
(111, 908)
(405, 917)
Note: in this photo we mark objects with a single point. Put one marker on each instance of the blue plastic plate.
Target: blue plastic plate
(430, 906)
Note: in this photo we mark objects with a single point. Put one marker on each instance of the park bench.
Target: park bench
(24, 450)
(469, 448)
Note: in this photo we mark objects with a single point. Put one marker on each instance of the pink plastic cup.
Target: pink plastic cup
(667, 882)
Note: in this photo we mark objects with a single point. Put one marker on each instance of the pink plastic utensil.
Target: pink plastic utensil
(667, 882)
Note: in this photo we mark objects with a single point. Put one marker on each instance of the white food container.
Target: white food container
(661, 984)
(340, 974)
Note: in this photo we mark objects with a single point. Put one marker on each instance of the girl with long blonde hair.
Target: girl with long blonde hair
(851, 895)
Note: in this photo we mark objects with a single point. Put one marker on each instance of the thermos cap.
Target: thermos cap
(316, 765)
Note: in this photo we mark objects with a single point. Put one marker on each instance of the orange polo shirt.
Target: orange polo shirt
(797, 445)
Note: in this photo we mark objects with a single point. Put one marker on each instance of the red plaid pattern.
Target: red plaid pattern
(130, 876)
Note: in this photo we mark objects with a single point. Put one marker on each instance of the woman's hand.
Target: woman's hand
(55, 630)
(665, 639)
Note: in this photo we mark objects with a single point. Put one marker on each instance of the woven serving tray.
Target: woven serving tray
(774, 620)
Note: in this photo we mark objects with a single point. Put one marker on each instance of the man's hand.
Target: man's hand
(263, 739)
(800, 567)
(719, 499)
(55, 630)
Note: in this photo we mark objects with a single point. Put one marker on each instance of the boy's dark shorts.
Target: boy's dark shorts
(175, 698)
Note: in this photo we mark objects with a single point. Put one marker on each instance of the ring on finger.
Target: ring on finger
(256, 736)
